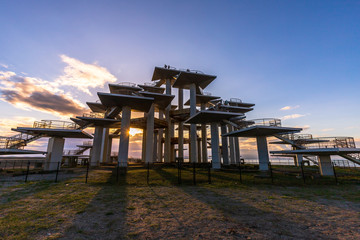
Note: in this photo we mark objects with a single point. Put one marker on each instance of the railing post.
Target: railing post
(194, 174)
(302, 170)
(271, 173)
(27, 171)
(240, 174)
(57, 171)
(5, 164)
(148, 173)
(179, 170)
(87, 171)
(336, 180)
(209, 172)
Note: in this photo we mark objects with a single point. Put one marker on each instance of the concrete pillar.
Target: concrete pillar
(104, 146)
(225, 147)
(167, 151)
(204, 139)
(262, 153)
(124, 137)
(97, 146)
(193, 136)
(325, 165)
(160, 136)
(199, 150)
(55, 151)
(172, 145)
(232, 146)
(155, 144)
(215, 146)
(181, 125)
(143, 145)
(237, 150)
(298, 159)
(149, 135)
(108, 150)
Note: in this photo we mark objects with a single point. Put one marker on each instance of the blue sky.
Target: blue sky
(303, 54)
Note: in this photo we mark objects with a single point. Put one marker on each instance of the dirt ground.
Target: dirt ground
(165, 211)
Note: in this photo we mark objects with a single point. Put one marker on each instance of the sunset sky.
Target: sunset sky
(296, 60)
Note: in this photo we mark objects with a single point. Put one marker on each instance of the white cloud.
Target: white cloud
(305, 127)
(327, 129)
(83, 76)
(4, 65)
(292, 116)
(289, 108)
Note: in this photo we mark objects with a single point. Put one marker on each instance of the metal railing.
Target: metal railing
(94, 115)
(271, 122)
(55, 124)
(297, 137)
(207, 93)
(333, 142)
(128, 84)
(87, 143)
(235, 100)
(151, 84)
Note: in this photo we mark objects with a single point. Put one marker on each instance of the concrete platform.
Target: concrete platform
(49, 132)
(255, 131)
(6, 151)
(120, 100)
(206, 116)
(96, 107)
(185, 79)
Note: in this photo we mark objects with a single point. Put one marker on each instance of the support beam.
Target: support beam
(325, 165)
(97, 146)
(204, 154)
(237, 150)
(104, 146)
(124, 137)
(263, 153)
(55, 151)
(181, 125)
(193, 136)
(143, 146)
(160, 136)
(149, 135)
(232, 146)
(199, 150)
(215, 146)
(155, 144)
(224, 144)
(108, 150)
(167, 151)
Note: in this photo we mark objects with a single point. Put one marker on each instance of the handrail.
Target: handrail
(55, 124)
(94, 115)
(128, 84)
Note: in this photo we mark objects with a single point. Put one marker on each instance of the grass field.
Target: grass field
(163, 209)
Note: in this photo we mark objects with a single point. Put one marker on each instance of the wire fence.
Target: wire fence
(39, 170)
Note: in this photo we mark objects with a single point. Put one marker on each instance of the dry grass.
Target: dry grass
(225, 209)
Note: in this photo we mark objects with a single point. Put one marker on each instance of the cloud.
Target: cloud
(292, 116)
(305, 127)
(33, 93)
(83, 76)
(4, 65)
(7, 123)
(327, 129)
(289, 108)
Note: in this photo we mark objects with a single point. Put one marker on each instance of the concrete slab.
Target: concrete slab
(6, 151)
(161, 100)
(255, 131)
(185, 79)
(206, 116)
(96, 107)
(121, 100)
(49, 132)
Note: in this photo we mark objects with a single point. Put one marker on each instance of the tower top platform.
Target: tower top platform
(185, 79)
(206, 116)
(152, 88)
(96, 107)
(259, 130)
(120, 100)
(201, 99)
(51, 132)
(164, 73)
(161, 100)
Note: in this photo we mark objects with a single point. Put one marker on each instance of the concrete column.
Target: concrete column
(143, 145)
(204, 139)
(193, 136)
(104, 146)
(237, 150)
(298, 159)
(150, 135)
(124, 137)
(181, 125)
(232, 146)
(225, 147)
(160, 136)
(108, 150)
(215, 146)
(199, 152)
(262, 153)
(54, 154)
(97, 146)
(155, 154)
(172, 146)
(325, 165)
(167, 151)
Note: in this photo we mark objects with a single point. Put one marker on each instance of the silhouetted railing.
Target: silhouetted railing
(55, 124)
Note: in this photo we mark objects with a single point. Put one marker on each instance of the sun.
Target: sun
(134, 131)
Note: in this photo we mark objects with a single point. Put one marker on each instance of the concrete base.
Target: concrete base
(263, 153)
(97, 146)
(325, 165)
(215, 146)
(54, 153)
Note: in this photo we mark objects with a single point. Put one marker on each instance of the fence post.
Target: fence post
(302, 170)
(87, 171)
(5, 164)
(57, 171)
(27, 171)
(21, 164)
(148, 173)
(271, 173)
(209, 172)
(240, 173)
(117, 173)
(336, 180)
(14, 165)
(179, 170)
(194, 174)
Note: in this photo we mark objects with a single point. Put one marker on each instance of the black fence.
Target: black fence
(38, 170)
